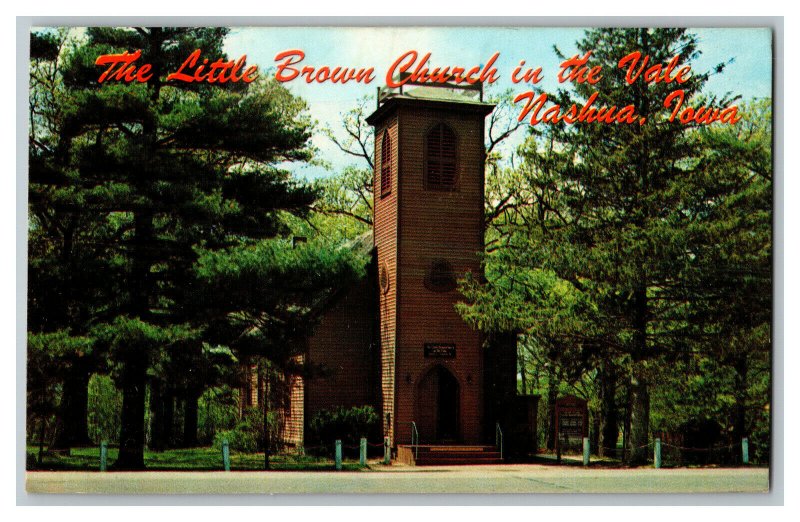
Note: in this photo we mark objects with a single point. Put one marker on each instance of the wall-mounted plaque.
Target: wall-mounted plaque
(440, 350)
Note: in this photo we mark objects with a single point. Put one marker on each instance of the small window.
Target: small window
(440, 277)
(440, 159)
(386, 164)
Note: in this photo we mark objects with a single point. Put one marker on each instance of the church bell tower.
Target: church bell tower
(428, 230)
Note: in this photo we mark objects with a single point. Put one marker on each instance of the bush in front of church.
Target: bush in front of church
(248, 434)
(346, 424)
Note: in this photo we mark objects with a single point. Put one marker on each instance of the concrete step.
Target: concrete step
(447, 455)
(451, 453)
(446, 449)
(457, 462)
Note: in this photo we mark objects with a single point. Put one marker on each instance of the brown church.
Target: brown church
(394, 340)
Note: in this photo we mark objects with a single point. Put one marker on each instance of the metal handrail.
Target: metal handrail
(498, 438)
(414, 438)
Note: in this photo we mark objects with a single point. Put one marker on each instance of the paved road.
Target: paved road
(400, 479)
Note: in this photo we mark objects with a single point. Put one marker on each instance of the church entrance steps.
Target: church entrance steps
(447, 455)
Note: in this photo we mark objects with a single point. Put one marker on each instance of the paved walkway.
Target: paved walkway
(401, 479)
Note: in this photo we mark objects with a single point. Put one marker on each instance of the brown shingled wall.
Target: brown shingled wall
(340, 353)
(385, 227)
(293, 414)
(438, 225)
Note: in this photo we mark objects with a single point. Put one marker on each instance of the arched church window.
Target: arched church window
(440, 158)
(440, 277)
(386, 164)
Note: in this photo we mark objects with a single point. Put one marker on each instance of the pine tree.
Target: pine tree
(165, 167)
(612, 210)
(730, 275)
(66, 250)
(625, 188)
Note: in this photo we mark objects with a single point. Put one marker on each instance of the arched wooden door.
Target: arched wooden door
(437, 407)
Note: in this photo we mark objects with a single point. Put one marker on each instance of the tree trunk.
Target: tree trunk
(626, 425)
(552, 395)
(740, 398)
(134, 371)
(264, 404)
(42, 426)
(594, 433)
(640, 420)
(190, 417)
(158, 425)
(640, 396)
(131, 438)
(609, 417)
(74, 430)
(132, 431)
(169, 416)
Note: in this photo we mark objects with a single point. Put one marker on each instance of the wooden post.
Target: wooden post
(657, 454)
(586, 451)
(338, 455)
(745, 451)
(103, 456)
(387, 452)
(226, 455)
(362, 453)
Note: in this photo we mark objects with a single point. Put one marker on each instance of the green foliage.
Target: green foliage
(346, 424)
(217, 411)
(241, 438)
(130, 337)
(44, 46)
(268, 295)
(637, 256)
(248, 434)
(50, 357)
(130, 183)
(344, 210)
(104, 409)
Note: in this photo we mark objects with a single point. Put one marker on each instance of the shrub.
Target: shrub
(31, 461)
(238, 440)
(248, 434)
(346, 424)
(217, 412)
(104, 409)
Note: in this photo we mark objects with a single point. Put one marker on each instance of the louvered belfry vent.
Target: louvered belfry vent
(386, 164)
(440, 164)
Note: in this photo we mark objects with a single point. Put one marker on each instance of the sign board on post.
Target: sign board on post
(572, 424)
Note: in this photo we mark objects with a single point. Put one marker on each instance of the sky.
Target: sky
(749, 75)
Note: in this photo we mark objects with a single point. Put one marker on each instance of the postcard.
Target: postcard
(321, 259)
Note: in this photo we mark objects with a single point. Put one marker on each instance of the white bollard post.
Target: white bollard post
(103, 456)
(586, 451)
(745, 451)
(657, 454)
(387, 452)
(362, 453)
(226, 455)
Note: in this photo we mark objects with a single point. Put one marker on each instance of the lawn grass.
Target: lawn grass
(193, 459)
